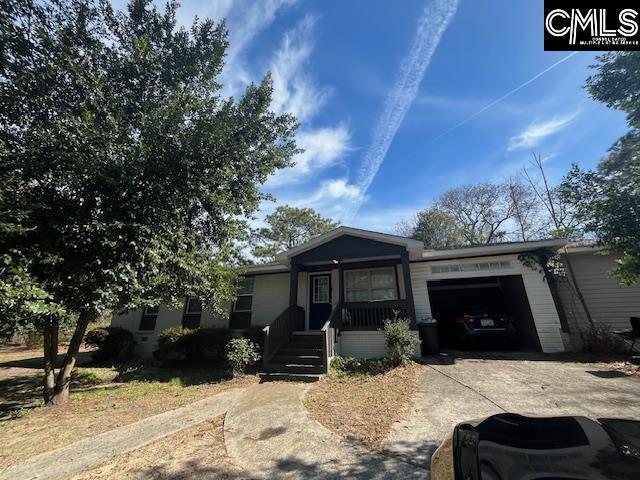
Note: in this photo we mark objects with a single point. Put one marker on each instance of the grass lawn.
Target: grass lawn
(363, 407)
(102, 398)
(202, 454)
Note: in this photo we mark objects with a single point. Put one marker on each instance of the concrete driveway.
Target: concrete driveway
(453, 389)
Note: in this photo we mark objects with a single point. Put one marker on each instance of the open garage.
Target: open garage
(499, 298)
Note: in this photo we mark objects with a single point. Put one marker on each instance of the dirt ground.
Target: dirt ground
(201, 454)
(365, 407)
(102, 398)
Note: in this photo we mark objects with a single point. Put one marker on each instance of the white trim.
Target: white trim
(583, 249)
(267, 268)
(409, 243)
(494, 249)
(391, 269)
(309, 282)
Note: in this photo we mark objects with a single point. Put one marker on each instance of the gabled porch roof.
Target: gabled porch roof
(413, 247)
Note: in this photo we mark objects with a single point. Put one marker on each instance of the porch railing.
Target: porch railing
(278, 332)
(371, 315)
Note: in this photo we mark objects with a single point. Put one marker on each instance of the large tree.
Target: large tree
(434, 227)
(288, 227)
(608, 199)
(134, 172)
(482, 211)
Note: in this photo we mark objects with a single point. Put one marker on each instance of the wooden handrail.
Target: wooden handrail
(329, 331)
(278, 332)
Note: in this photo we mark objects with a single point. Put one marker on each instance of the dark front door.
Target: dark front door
(319, 300)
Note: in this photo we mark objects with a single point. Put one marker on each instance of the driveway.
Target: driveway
(452, 390)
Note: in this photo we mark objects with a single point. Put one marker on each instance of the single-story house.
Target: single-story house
(332, 294)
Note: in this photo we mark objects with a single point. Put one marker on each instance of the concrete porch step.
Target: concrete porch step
(288, 377)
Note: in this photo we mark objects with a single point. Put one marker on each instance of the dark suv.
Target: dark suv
(482, 329)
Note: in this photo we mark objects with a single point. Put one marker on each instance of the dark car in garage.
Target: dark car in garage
(485, 330)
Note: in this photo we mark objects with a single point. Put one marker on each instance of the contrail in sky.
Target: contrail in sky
(435, 19)
(508, 94)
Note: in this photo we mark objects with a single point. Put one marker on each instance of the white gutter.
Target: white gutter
(494, 249)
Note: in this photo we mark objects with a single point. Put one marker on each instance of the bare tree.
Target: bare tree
(561, 214)
(528, 222)
(405, 228)
(562, 217)
(481, 211)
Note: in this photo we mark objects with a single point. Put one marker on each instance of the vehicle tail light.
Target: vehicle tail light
(507, 318)
(465, 319)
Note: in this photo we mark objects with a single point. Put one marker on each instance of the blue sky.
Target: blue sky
(375, 85)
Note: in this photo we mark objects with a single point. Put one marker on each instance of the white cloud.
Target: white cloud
(337, 189)
(293, 90)
(537, 132)
(323, 147)
(332, 198)
(245, 21)
(432, 24)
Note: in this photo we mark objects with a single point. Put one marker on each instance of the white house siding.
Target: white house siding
(270, 298)
(542, 306)
(365, 344)
(147, 342)
(607, 301)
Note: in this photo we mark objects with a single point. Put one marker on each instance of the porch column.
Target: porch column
(408, 289)
(293, 296)
(340, 291)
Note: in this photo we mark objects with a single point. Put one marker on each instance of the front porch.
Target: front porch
(346, 284)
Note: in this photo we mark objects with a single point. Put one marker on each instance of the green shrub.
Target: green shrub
(256, 335)
(401, 342)
(174, 343)
(111, 343)
(241, 353)
(207, 344)
(599, 338)
(202, 344)
(355, 366)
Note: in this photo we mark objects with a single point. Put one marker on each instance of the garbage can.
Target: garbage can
(428, 332)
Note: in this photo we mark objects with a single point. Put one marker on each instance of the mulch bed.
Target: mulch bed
(365, 407)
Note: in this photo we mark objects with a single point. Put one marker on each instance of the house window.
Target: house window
(192, 313)
(321, 289)
(370, 285)
(148, 320)
(244, 299)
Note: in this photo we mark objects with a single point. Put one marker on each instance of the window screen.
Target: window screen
(370, 285)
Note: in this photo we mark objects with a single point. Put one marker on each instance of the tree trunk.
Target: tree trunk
(61, 390)
(50, 356)
(576, 288)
